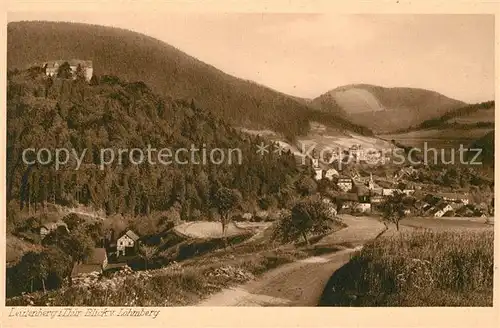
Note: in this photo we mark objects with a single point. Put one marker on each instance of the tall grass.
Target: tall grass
(450, 268)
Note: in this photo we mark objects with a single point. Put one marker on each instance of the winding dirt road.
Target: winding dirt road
(301, 283)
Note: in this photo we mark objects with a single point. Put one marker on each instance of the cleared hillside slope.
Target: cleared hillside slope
(137, 57)
(385, 109)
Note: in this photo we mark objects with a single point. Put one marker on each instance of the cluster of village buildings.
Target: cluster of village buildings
(362, 194)
(120, 249)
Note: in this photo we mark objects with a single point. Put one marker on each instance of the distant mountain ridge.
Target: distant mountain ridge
(385, 109)
(168, 71)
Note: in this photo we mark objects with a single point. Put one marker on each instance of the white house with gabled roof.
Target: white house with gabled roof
(127, 242)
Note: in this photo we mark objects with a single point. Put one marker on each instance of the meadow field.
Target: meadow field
(418, 268)
(446, 138)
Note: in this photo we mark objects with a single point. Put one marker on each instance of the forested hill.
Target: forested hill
(168, 71)
(54, 113)
(475, 115)
(487, 146)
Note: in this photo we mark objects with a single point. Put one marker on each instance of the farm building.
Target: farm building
(377, 199)
(52, 67)
(330, 173)
(318, 173)
(127, 243)
(49, 227)
(390, 191)
(440, 209)
(96, 262)
(363, 207)
(345, 183)
(453, 197)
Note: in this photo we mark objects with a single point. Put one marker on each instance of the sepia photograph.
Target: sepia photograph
(209, 159)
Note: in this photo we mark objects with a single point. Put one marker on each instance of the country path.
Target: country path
(301, 283)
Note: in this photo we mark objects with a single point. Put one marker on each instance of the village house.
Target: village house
(330, 173)
(391, 191)
(440, 209)
(421, 206)
(363, 207)
(345, 183)
(52, 67)
(456, 205)
(453, 197)
(96, 262)
(465, 211)
(377, 199)
(47, 228)
(318, 173)
(127, 243)
(348, 200)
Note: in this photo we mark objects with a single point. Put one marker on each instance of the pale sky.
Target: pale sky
(306, 55)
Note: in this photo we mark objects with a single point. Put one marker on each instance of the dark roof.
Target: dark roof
(451, 195)
(85, 268)
(441, 205)
(132, 235)
(362, 190)
(71, 62)
(97, 257)
(116, 265)
(54, 225)
(420, 204)
(349, 197)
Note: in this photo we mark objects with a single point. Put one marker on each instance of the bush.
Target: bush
(308, 217)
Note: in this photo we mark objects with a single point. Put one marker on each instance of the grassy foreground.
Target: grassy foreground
(423, 268)
(174, 285)
(177, 284)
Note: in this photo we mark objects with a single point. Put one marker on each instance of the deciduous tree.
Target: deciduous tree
(393, 208)
(64, 71)
(306, 186)
(225, 200)
(308, 216)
